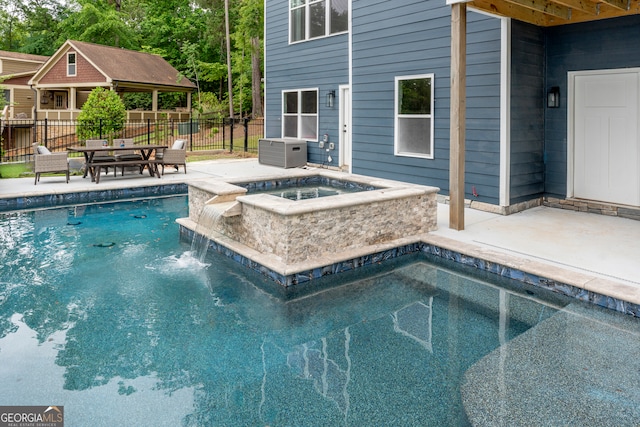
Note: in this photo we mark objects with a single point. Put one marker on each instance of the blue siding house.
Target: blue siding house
(552, 96)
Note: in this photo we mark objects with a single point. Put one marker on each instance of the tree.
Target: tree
(98, 22)
(41, 25)
(229, 73)
(190, 34)
(251, 27)
(102, 116)
(11, 25)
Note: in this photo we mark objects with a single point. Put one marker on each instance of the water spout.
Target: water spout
(206, 221)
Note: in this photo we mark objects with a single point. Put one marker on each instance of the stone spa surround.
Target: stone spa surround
(291, 239)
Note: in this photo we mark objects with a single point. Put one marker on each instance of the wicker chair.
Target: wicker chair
(127, 154)
(176, 155)
(45, 161)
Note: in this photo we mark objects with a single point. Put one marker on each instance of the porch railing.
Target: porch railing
(201, 134)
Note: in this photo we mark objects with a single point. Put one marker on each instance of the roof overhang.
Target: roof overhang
(125, 86)
(548, 13)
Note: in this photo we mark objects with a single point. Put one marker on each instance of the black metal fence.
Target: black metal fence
(201, 134)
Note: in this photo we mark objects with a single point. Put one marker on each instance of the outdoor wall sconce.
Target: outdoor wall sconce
(331, 96)
(553, 97)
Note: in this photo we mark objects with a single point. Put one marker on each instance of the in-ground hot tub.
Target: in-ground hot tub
(297, 240)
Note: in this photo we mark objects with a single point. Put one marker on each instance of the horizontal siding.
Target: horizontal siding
(319, 63)
(10, 66)
(407, 37)
(390, 39)
(23, 102)
(605, 44)
(527, 113)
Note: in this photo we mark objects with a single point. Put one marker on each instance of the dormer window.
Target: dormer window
(71, 64)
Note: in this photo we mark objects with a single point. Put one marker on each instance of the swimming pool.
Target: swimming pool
(105, 311)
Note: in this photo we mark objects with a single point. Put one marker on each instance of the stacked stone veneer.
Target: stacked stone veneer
(593, 207)
(304, 230)
(318, 230)
(601, 208)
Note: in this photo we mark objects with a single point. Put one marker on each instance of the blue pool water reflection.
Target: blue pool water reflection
(103, 310)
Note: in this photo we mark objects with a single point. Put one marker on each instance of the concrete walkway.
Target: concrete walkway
(596, 252)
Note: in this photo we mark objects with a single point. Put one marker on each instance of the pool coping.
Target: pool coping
(583, 287)
(105, 194)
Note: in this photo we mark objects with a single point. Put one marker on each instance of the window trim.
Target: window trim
(74, 64)
(396, 116)
(299, 114)
(307, 21)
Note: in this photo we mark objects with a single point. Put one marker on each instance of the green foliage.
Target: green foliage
(210, 106)
(13, 170)
(11, 27)
(137, 100)
(251, 22)
(102, 116)
(98, 22)
(189, 34)
(3, 101)
(41, 25)
(171, 100)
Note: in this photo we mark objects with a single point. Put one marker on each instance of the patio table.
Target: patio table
(145, 150)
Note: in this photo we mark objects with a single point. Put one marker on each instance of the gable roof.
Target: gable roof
(123, 66)
(4, 54)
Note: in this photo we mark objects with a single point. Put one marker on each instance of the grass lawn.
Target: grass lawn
(14, 170)
(220, 155)
(17, 170)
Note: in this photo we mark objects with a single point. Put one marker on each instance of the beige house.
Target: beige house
(16, 69)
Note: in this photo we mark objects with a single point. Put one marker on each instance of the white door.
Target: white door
(606, 137)
(345, 129)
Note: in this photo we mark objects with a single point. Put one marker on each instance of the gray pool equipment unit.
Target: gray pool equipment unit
(284, 153)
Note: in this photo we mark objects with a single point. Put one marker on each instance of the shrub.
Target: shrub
(102, 116)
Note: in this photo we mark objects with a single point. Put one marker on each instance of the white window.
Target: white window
(300, 114)
(309, 19)
(414, 116)
(71, 64)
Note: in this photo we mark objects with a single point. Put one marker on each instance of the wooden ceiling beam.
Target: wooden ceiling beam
(510, 10)
(618, 4)
(546, 7)
(584, 6)
(581, 11)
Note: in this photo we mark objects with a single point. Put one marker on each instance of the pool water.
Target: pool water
(103, 310)
(305, 187)
(305, 192)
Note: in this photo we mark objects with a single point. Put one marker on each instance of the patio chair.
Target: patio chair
(176, 155)
(127, 154)
(46, 161)
(101, 157)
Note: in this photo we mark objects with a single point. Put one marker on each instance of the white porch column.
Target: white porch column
(72, 98)
(154, 102)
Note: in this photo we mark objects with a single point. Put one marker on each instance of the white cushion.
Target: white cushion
(178, 144)
(43, 150)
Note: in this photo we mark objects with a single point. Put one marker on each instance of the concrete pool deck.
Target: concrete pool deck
(593, 252)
